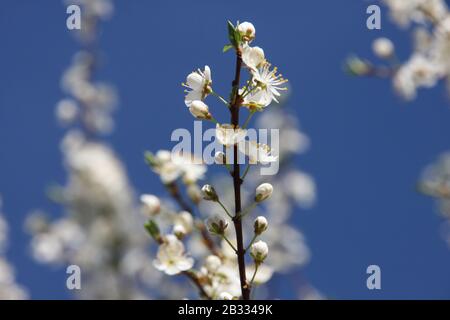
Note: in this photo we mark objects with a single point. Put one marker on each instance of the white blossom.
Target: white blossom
(247, 30)
(259, 251)
(228, 135)
(198, 84)
(171, 257)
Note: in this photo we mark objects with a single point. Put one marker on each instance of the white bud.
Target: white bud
(263, 191)
(179, 231)
(220, 157)
(383, 48)
(185, 219)
(225, 296)
(194, 193)
(259, 251)
(209, 193)
(151, 203)
(67, 111)
(247, 30)
(260, 225)
(199, 110)
(216, 225)
(212, 263)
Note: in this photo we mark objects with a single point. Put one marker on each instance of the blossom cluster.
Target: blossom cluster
(99, 229)
(429, 23)
(198, 241)
(435, 182)
(9, 289)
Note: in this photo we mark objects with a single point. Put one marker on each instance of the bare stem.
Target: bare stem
(234, 109)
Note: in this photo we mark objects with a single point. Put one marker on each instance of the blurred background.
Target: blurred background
(368, 147)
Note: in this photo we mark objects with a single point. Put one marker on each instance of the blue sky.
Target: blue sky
(368, 147)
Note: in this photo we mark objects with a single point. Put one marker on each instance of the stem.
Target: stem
(229, 242)
(248, 119)
(234, 109)
(225, 209)
(246, 171)
(251, 242)
(193, 277)
(220, 98)
(254, 274)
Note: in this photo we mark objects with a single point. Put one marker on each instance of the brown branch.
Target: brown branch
(195, 280)
(234, 109)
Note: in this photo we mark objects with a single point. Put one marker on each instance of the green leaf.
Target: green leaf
(149, 158)
(153, 229)
(227, 47)
(233, 35)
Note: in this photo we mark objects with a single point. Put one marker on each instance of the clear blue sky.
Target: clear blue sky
(368, 147)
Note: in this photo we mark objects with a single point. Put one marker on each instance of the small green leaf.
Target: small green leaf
(227, 47)
(153, 229)
(149, 158)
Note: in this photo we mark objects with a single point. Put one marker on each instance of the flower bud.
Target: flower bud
(263, 191)
(185, 220)
(383, 48)
(209, 193)
(194, 193)
(151, 204)
(247, 31)
(199, 110)
(217, 225)
(212, 263)
(259, 251)
(260, 225)
(225, 296)
(179, 231)
(220, 157)
(153, 230)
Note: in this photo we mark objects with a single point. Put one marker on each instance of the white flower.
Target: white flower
(383, 48)
(228, 135)
(247, 31)
(260, 225)
(171, 166)
(263, 191)
(199, 85)
(259, 251)
(417, 72)
(171, 257)
(253, 57)
(152, 205)
(199, 110)
(269, 82)
(212, 263)
(225, 296)
(257, 152)
(256, 100)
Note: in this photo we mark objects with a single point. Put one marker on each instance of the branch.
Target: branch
(234, 109)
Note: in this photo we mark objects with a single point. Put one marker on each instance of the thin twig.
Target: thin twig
(234, 109)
